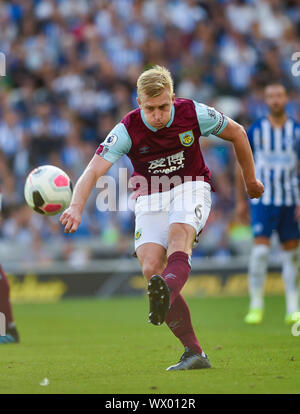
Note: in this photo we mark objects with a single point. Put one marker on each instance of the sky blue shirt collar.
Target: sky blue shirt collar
(155, 129)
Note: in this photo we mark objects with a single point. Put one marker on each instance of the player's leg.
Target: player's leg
(180, 242)
(189, 211)
(181, 238)
(257, 270)
(289, 237)
(263, 221)
(151, 240)
(290, 269)
(164, 287)
(153, 259)
(185, 223)
(12, 335)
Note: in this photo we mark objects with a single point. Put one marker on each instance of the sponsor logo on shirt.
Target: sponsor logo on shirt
(168, 164)
(212, 113)
(110, 140)
(285, 159)
(187, 138)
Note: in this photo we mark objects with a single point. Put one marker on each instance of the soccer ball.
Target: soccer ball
(48, 190)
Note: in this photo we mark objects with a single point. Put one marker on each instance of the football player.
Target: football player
(11, 334)
(172, 193)
(275, 142)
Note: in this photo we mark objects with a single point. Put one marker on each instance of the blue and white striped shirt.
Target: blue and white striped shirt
(276, 153)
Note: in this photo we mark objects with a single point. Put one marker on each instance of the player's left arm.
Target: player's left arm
(236, 133)
(213, 122)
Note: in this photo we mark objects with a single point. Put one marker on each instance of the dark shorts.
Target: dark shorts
(266, 219)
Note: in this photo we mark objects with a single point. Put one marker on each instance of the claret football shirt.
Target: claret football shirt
(171, 151)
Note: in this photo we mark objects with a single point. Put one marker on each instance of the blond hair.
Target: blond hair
(153, 81)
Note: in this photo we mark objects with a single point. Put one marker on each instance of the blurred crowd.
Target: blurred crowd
(71, 71)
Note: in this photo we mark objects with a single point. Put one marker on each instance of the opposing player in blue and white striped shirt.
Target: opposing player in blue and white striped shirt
(275, 142)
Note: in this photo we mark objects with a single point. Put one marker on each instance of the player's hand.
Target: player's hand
(255, 189)
(242, 213)
(71, 219)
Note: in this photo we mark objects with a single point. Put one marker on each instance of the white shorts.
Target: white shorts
(187, 203)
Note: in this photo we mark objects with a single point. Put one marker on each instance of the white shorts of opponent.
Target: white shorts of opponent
(188, 203)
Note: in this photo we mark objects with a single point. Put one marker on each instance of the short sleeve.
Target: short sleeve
(211, 121)
(116, 144)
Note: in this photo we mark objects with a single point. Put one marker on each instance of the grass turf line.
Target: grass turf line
(107, 346)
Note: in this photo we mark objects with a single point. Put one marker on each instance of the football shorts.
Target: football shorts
(266, 219)
(188, 203)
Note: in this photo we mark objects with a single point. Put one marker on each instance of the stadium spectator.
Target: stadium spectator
(72, 66)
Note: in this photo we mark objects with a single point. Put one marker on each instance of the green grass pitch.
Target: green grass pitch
(107, 347)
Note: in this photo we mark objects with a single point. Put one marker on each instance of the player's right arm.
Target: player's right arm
(71, 217)
(116, 144)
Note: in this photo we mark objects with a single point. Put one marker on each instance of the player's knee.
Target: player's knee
(290, 245)
(181, 238)
(259, 254)
(290, 258)
(152, 267)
